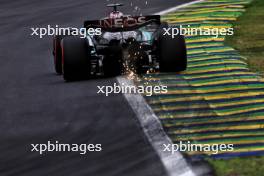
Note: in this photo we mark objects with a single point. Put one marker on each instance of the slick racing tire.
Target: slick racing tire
(172, 53)
(57, 53)
(76, 63)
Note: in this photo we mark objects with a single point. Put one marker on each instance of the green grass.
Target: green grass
(249, 41)
(249, 36)
(247, 166)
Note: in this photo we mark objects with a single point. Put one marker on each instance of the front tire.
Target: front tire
(75, 58)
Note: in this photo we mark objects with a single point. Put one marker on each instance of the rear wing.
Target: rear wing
(127, 23)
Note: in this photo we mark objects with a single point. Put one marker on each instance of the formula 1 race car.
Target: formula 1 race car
(134, 43)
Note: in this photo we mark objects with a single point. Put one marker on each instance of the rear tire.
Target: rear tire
(57, 53)
(75, 58)
(172, 53)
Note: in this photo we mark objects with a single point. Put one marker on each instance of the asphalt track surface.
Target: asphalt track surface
(36, 105)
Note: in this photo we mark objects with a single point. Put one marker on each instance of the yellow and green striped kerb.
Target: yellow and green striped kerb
(217, 100)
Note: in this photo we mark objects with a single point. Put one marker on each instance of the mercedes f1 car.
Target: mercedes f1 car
(134, 43)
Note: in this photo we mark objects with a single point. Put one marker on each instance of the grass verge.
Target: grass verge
(249, 41)
(249, 36)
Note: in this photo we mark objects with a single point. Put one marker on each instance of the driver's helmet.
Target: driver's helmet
(116, 14)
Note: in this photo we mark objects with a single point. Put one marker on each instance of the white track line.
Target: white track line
(177, 7)
(175, 164)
